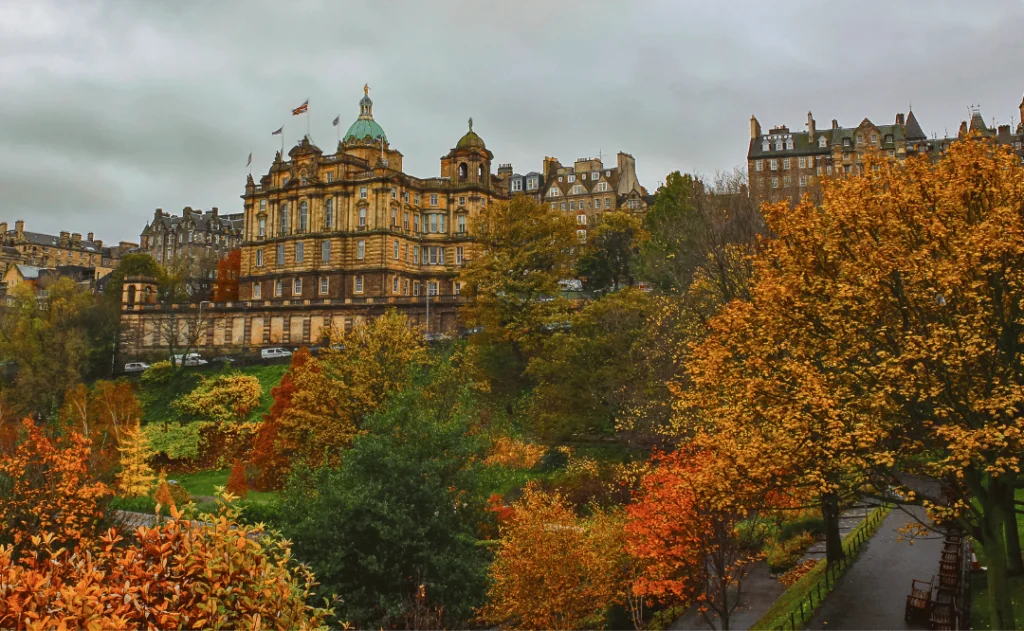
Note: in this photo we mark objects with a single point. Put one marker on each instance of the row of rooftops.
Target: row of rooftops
(70, 240)
(196, 219)
(902, 132)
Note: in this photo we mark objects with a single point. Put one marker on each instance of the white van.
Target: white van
(273, 353)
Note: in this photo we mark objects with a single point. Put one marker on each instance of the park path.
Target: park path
(761, 589)
(872, 593)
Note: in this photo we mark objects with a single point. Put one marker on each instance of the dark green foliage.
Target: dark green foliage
(401, 512)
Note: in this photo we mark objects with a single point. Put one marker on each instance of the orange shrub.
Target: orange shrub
(514, 454)
(236, 480)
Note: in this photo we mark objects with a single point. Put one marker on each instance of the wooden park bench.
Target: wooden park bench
(919, 602)
(943, 614)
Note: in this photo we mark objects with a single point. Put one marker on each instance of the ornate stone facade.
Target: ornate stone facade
(194, 236)
(36, 249)
(332, 239)
(588, 189)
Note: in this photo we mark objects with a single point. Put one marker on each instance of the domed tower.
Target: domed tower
(469, 162)
(366, 138)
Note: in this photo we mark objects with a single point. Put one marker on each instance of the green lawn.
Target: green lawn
(203, 483)
(979, 586)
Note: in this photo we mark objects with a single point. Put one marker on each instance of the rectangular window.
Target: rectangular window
(572, 205)
(405, 252)
(394, 193)
(280, 254)
(359, 284)
(324, 285)
(581, 220)
(803, 181)
(360, 249)
(462, 200)
(394, 216)
(458, 255)
(330, 176)
(362, 192)
(259, 258)
(802, 162)
(787, 181)
(572, 178)
(300, 252)
(278, 288)
(607, 202)
(362, 217)
(262, 227)
(440, 224)
(457, 288)
(432, 288)
(828, 170)
(433, 223)
(416, 289)
(416, 254)
(263, 205)
(297, 287)
(416, 199)
(433, 199)
(256, 289)
(775, 182)
(757, 165)
(394, 284)
(432, 252)
(820, 169)
(785, 164)
(325, 251)
(581, 235)
(406, 286)
(405, 221)
(462, 224)
(396, 250)
(773, 164)
(416, 223)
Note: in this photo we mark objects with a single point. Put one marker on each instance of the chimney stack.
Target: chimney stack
(76, 238)
(3, 228)
(65, 236)
(19, 227)
(810, 127)
(1022, 111)
(835, 124)
(214, 211)
(899, 119)
(962, 133)
(89, 236)
(755, 127)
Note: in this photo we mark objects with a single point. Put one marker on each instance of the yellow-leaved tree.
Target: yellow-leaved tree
(136, 476)
(883, 338)
(222, 399)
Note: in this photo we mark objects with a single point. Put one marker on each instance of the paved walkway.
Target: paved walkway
(760, 591)
(873, 592)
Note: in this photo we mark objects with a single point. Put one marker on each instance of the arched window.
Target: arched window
(284, 219)
(463, 171)
(480, 172)
(329, 213)
(303, 217)
(131, 296)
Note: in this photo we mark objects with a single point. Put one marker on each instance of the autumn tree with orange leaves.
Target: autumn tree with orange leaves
(193, 571)
(554, 570)
(229, 267)
(684, 531)
(883, 338)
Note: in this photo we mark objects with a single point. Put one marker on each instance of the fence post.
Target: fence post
(819, 592)
(792, 621)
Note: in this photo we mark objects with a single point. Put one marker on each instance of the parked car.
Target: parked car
(194, 360)
(274, 353)
(135, 366)
(223, 360)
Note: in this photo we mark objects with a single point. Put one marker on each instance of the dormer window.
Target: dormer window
(822, 142)
(765, 146)
(888, 139)
(846, 142)
(789, 144)
(778, 145)
(572, 178)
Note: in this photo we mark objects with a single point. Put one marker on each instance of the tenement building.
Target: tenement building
(37, 249)
(785, 164)
(195, 237)
(332, 239)
(588, 188)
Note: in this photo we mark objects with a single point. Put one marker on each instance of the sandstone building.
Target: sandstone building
(194, 236)
(786, 164)
(588, 188)
(36, 249)
(332, 239)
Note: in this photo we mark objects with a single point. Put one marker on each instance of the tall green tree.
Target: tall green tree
(43, 334)
(523, 250)
(609, 258)
(398, 519)
(696, 225)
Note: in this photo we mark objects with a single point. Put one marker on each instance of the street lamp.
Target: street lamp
(199, 322)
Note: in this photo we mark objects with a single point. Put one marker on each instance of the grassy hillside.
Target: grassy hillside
(156, 399)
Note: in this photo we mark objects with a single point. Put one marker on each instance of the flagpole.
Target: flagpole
(307, 120)
(282, 142)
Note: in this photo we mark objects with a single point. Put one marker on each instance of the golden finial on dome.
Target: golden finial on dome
(366, 89)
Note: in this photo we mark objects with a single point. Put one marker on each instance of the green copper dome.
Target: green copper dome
(365, 125)
(471, 140)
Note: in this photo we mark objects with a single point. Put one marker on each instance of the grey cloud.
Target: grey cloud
(111, 108)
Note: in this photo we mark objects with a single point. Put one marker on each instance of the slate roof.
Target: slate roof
(51, 241)
(914, 131)
(29, 272)
(201, 221)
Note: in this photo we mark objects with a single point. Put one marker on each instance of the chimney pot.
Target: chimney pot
(19, 227)
(835, 124)
(89, 236)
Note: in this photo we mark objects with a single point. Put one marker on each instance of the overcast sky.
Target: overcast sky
(111, 109)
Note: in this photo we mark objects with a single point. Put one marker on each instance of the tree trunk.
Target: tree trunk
(833, 540)
(1014, 560)
(993, 529)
